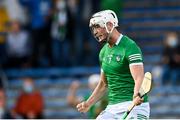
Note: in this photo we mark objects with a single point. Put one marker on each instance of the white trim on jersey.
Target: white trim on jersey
(102, 70)
(135, 57)
(136, 64)
(119, 39)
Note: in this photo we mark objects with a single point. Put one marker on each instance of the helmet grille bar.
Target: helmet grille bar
(113, 15)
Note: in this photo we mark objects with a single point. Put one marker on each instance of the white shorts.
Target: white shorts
(116, 111)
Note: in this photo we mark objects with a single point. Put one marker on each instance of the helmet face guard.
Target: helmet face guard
(100, 19)
(93, 29)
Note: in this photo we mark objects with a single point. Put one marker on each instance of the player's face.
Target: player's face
(99, 33)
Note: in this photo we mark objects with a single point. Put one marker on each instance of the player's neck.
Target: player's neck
(114, 38)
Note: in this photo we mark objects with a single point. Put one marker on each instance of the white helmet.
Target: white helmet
(101, 18)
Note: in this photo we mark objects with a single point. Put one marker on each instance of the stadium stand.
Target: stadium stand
(54, 91)
(54, 84)
(147, 21)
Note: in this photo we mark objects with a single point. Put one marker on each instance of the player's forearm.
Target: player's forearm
(97, 93)
(138, 82)
(137, 72)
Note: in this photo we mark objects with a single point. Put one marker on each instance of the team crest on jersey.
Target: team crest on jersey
(118, 58)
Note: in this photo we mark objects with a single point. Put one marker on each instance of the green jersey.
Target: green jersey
(115, 62)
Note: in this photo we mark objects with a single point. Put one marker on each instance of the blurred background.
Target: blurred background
(48, 55)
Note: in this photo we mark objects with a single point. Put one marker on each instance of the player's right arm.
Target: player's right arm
(97, 94)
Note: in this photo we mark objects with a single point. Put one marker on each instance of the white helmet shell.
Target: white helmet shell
(102, 17)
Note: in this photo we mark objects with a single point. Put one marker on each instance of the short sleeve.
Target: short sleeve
(134, 54)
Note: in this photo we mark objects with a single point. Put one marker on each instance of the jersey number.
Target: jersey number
(110, 58)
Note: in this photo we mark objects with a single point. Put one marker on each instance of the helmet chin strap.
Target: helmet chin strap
(109, 32)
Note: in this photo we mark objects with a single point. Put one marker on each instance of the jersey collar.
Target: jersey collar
(119, 39)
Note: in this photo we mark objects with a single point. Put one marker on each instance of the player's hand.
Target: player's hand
(83, 107)
(137, 100)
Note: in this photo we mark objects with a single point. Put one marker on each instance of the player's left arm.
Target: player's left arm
(135, 59)
(137, 72)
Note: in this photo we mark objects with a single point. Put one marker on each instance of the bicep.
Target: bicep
(137, 71)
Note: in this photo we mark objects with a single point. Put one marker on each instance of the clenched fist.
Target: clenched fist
(137, 100)
(83, 107)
